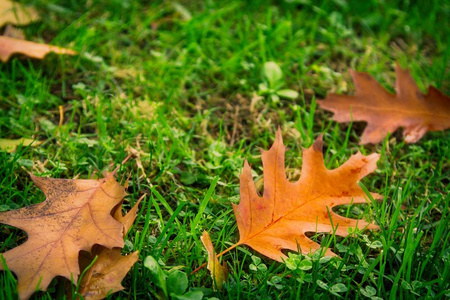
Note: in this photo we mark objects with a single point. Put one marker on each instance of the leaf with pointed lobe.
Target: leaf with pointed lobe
(109, 269)
(75, 215)
(384, 112)
(280, 218)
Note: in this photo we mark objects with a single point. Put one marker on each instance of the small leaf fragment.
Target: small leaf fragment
(219, 273)
(16, 13)
(13, 32)
(10, 46)
(11, 145)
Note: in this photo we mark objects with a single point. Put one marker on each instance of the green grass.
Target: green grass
(174, 84)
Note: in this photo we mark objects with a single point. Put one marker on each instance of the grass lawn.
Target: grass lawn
(176, 84)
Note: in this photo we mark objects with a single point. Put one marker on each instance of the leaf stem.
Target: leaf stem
(121, 164)
(217, 256)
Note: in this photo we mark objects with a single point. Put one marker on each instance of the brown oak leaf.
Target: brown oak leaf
(385, 112)
(10, 46)
(75, 215)
(287, 210)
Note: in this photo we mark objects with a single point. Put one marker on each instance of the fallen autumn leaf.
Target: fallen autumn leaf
(10, 46)
(385, 112)
(219, 273)
(287, 210)
(75, 216)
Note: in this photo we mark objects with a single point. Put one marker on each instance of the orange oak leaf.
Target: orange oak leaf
(219, 273)
(9, 46)
(104, 277)
(385, 112)
(287, 210)
(75, 215)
